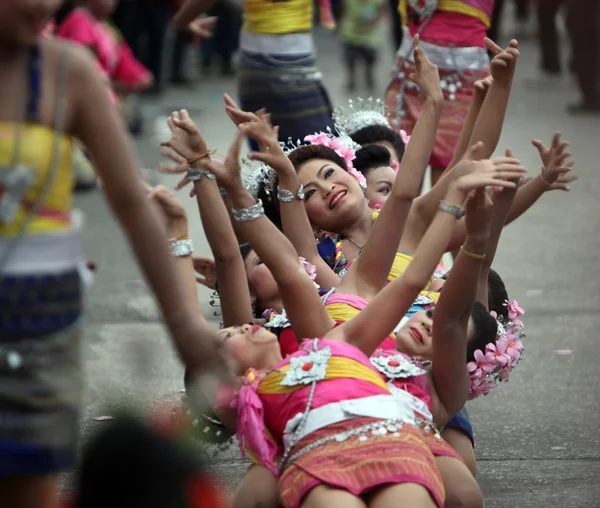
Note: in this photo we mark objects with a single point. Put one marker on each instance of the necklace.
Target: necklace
(355, 244)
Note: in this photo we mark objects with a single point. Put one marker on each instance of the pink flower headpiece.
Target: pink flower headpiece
(405, 137)
(494, 365)
(345, 151)
(311, 270)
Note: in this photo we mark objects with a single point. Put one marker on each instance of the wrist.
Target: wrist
(476, 243)
(178, 232)
(435, 100)
(455, 196)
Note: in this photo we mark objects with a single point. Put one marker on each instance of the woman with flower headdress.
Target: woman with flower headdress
(277, 68)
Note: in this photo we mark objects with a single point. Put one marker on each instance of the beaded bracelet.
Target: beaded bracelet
(456, 211)
(286, 196)
(196, 174)
(256, 211)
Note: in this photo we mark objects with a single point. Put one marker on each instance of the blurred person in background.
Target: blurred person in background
(361, 38)
(226, 37)
(583, 22)
(547, 15)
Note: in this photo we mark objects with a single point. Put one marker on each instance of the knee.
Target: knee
(464, 495)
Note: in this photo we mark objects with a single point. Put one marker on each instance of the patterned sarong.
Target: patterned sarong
(405, 104)
(290, 88)
(358, 465)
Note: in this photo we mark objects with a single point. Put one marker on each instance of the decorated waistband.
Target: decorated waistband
(338, 367)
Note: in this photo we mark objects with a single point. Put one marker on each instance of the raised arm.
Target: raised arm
(300, 297)
(373, 324)
(94, 113)
(373, 264)
(452, 312)
(189, 145)
(488, 126)
(554, 174)
(294, 220)
(480, 89)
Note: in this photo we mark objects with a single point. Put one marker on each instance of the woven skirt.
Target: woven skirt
(41, 378)
(404, 105)
(359, 464)
(290, 88)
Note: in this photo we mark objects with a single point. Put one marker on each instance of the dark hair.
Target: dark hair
(378, 133)
(245, 250)
(270, 206)
(485, 329)
(129, 464)
(371, 157)
(497, 294)
(306, 153)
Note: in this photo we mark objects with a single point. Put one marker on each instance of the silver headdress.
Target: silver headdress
(258, 174)
(359, 114)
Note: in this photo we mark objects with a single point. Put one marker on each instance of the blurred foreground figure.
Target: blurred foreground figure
(131, 465)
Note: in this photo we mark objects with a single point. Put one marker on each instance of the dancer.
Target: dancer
(51, 94)
(277, 67)
(452, 35)
(87, 27)
(299, 304)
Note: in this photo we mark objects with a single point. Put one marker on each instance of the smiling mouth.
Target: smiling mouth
(255, 328)
(417, 335)
(336, 198)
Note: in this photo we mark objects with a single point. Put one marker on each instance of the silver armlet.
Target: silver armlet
(286, 196)
(456, 211)
(196, 174)
(182, 248)
(249, 214)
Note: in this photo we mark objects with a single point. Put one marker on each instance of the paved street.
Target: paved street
(536, 437)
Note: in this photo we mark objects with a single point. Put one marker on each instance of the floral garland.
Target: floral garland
(493, 366)
(346, 152)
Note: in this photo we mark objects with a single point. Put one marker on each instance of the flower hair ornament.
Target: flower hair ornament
(342, 145)
(492, 366)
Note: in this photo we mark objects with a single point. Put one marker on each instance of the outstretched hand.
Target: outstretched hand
(426, 75)
(172, 211)
(555, 167)
(504, 61)
(501, 172)
(228, 172)
(206, 273)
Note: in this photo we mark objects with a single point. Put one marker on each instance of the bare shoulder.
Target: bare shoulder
(81, 61)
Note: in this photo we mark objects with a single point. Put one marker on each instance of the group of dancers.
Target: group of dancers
(347, 351)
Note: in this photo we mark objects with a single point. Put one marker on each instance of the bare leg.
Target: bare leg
(463, 446)
(402, 494)
(259, 489)
(328, 497)
(462, 490)
(30, 491)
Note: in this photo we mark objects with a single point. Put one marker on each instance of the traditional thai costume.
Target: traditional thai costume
(41, 293)
(114, 58)
(451, 36)
(277, 67)
(325, 416)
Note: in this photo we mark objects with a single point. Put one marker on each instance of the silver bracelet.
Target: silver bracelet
(182, 248)
(256, 211)
(196, 174)
(286, 196)
(222, 191)
(456, 211)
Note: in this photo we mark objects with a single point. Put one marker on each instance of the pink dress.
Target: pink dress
(405, 375)
(114, 58)
(328, 413)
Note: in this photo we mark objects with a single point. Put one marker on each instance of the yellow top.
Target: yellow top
(35, 159)
(278, 17)
(450, 6)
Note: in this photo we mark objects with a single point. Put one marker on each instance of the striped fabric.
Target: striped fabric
(290, 88)
(360, 465)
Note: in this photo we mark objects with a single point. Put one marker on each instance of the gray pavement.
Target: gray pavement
(536, 437)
